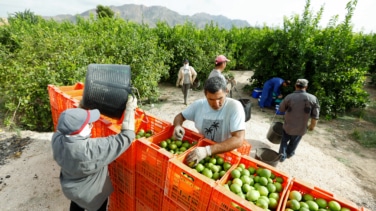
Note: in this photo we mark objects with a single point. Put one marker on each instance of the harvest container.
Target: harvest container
(245, 149)
(169, 205)
(149, 196)
(224, 200)
(60, 100)
(152, 160)
(256, 92)
(123, 181)
(304, 187)
(123, 169)
(188, 188)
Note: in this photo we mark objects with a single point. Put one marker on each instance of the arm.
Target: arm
(194, 74)
(179, 130)
(277, 86)
(179, 78)
(312, 125)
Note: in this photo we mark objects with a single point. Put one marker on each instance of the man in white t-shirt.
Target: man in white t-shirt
(217, 117)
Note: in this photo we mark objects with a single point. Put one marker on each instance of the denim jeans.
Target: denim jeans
(288, 145)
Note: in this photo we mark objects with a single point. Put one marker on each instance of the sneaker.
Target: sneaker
(283, 158)
(290, 155)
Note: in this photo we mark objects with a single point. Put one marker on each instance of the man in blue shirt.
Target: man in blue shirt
(271, 86)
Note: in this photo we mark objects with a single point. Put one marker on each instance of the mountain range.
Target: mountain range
(151, 15)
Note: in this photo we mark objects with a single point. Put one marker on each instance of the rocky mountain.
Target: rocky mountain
(151, 15)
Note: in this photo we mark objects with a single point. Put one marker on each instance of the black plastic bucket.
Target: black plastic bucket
(275, 132)
(268, 156)
(106, 88)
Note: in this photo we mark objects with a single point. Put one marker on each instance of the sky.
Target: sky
(256, 12)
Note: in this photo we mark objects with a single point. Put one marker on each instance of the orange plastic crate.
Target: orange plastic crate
(122, 177)
(121, 202)
(148, 193)
(188, 188)
(223, 199)
(123, 181)
(152, 160)
(305, 187)
(169, 205)
(364, 209)
(245, 149)
(55, 116)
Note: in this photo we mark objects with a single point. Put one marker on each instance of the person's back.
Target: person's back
(298, 106)
(301, 106)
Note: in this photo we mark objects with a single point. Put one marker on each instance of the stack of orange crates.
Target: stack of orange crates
(152, 161)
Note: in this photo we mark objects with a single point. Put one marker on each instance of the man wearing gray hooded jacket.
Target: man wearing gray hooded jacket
(84, 161)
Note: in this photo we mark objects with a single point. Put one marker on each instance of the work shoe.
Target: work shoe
(283, 158)
(290, 155)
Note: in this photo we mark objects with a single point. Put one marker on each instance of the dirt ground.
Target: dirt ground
(326, 158)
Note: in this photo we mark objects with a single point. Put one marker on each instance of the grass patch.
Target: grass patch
(343, 160)
(365, 138)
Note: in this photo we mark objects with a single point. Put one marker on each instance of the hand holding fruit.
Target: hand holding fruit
(179, 132)
(194, 157)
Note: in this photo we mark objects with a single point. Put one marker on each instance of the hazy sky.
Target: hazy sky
(256, 12)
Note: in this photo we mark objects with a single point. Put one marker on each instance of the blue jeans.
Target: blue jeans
(288, 145)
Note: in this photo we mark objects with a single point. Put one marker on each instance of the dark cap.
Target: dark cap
(302, 82)
(185, 61)
(72, 121)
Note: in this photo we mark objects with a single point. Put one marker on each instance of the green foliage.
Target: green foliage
(200, 47)
(104, 12)
(59, 53)
(35, 52)
(333, 59)
(25, 16)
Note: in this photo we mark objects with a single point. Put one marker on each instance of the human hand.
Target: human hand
(194, 157)
(131, 103)
(128, 120)
(280, 96)
(310, 127)
(179, 132)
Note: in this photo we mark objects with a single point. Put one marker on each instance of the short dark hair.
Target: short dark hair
(214, 84)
